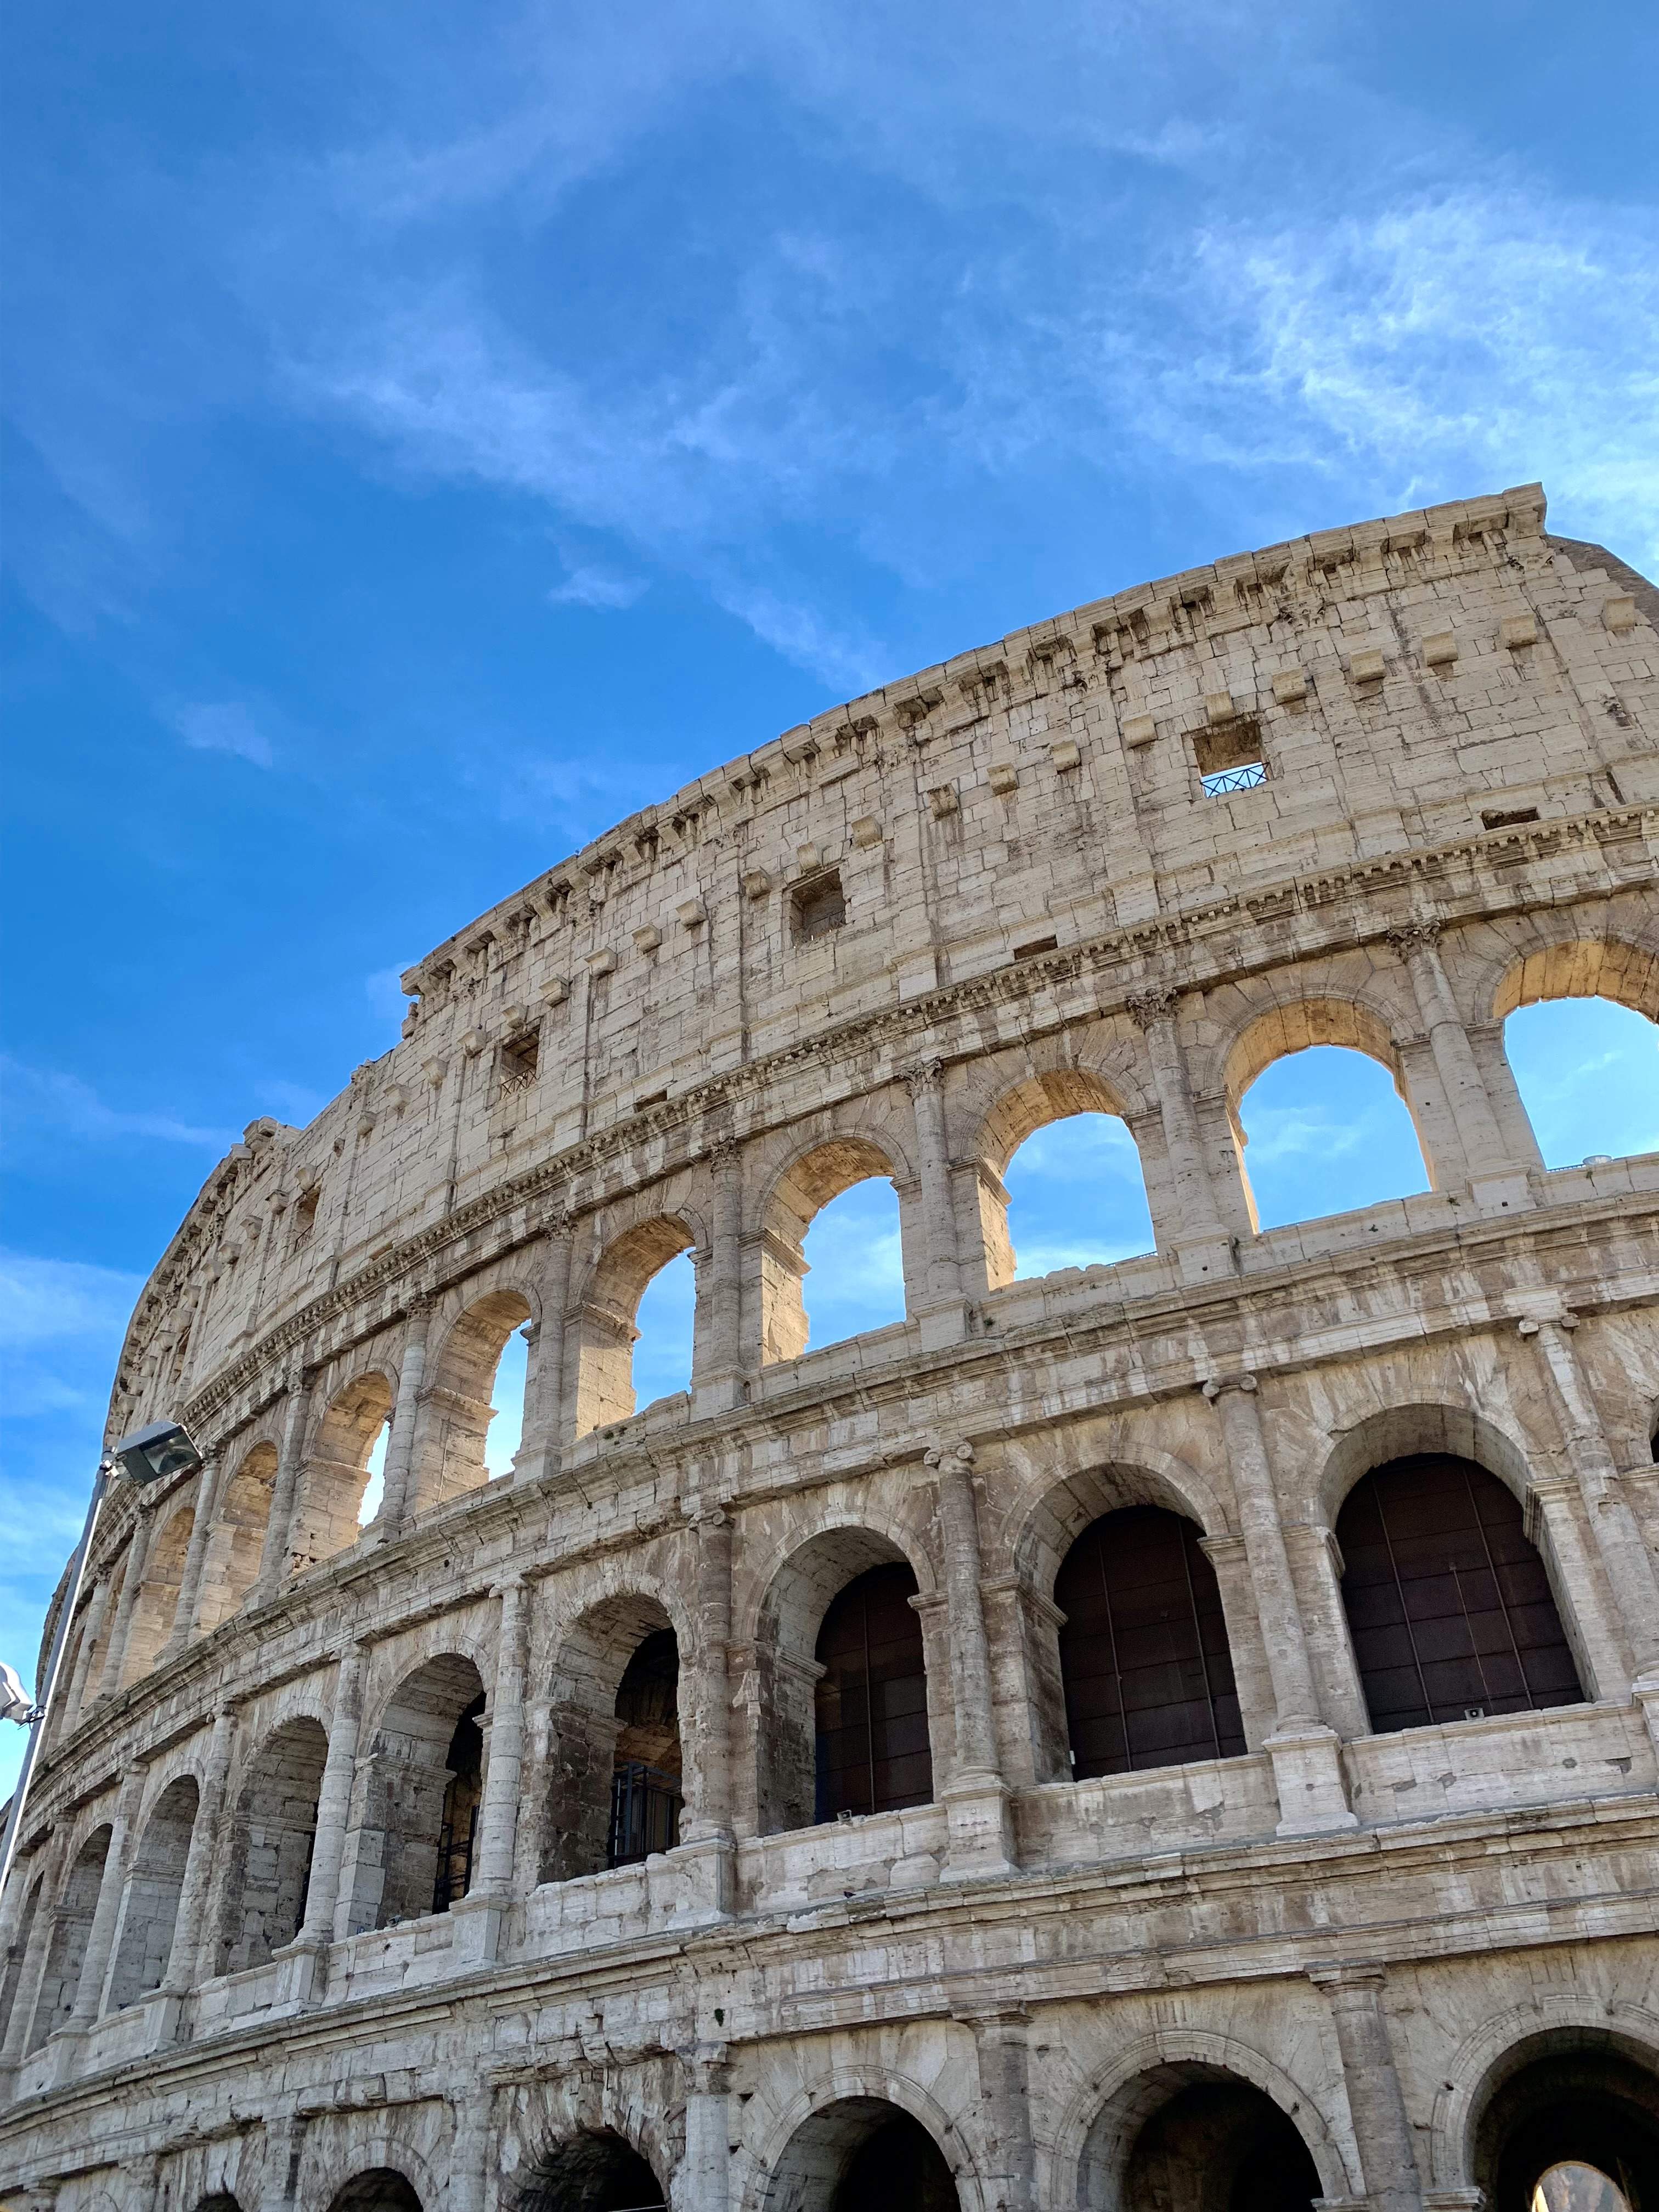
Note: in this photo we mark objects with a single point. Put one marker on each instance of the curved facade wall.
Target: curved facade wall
(284, 1928)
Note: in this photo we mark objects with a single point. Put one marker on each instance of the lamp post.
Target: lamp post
(152, 1453)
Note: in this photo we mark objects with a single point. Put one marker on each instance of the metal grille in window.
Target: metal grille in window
(645, 1813)
(1144, 1656)
(520, 1056)
(1235, 779)
(1450, 1609)
(871, 1704)
(455, 1861)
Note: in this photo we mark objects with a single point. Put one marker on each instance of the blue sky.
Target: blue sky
(430, 431)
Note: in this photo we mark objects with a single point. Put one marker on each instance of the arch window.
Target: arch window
(472, 1415)
(872, 1750)
(149, 1910)
(1328, 1131)
(596, 2171)
(232, 1559)
(336, 1470)
(19, 1952)
(411, 1855)
(72, 1926)
(834, 1216)
(1449, 1604)
(607, 1323)
(158, 1597)
(646, 1787)
(862, 2154)
(1144, 1656)
(273, 1833)
(1204, 2138)
(618, 1772)
(1587, 1073)
(1571, 2125)
(381, 2189)
(1059, 1180)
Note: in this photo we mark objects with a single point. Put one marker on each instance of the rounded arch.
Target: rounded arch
(1098, 2132)
(337, 1468)
(819, 1172)
(792, 1610)
(149, 1909)
(273, 1827)
(1580, 967)
(409, 1854)
(598, 1734)
(1492, 2054)
(1036, 1102)
(814, 2137)
(458, 1394)
(372, 2151)
(596, 2168)
(1586, 2096)
(157, 1606)
(71, 1926)
(1050, 1522)
(380, 2189)
(605, 1315)
(231, 1562)
(1425, 1425)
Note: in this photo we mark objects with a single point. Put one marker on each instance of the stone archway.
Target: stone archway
(862, 2154)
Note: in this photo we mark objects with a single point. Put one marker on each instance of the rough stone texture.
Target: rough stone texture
(672, 1042)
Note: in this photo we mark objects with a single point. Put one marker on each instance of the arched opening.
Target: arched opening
(221, 2200)
(232, 1559)
(595, 2171)
(273, 1832)
(666, 1327)
(336, 1470)
(149, 1910)
(834, 1212)
(381, 2190)
(872, 1753)
(472, 1409)
(157, 1606)
(411, 1854)
(19, 1952)
(1144, 1656)
(72, 1925)
(1329, 1132)
(862, 2154)
(789, 1670)
(1571, 2125)
(605, 1320)
(1059, 1180)
(374, 1496)
(617, 1773)
(1587, 1073)
(1191, 2138)
(1449, 1604)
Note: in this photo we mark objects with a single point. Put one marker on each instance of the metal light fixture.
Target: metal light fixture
(153, 1454)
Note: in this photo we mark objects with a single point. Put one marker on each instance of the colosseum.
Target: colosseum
(1177, 1735)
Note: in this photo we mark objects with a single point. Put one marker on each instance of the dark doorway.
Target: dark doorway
(899, 2169)
(873, 1752)
(1591, 2107)
(596, 2171)
(379, 2190)
(1144, 1656)
(1450, 1609)
(463, 1795)
(1221, 2146)
(647, 1783)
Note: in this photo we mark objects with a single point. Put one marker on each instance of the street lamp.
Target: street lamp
(149, 1455)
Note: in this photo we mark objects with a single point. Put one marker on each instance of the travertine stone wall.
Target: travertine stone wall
(896, 942)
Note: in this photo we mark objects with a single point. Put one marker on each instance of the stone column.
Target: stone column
(326, 1911)
(1382, 2133)
(1307, 1768)
(133, 1584)
(944, 1316)
(184, 1960)
(704, 2182)
(543, 1429)
(209, 1484)
(978, 1802)
(1001, 2051)
(722, 1386)
(479, 1912)
(101, 1937)
(706, 1850)
(395, 1501)
(285, 2136)
(1203, 1246)
(1496, 1182)
(1554, 1505)
(279, 1529)
(468, 2179)
(1630, 1569)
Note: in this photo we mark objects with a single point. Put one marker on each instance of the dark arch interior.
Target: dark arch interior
(898, 2168)
(1219, 2147)
(1450, 1609)
(1591, 2105)
(463, 1795)
(223, 2201)
(871, 1704)
(379, 2190)
(647, 1781)
(1144, 1658)
(592, 2172)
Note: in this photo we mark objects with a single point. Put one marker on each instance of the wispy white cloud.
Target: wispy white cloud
(223, 726)
(47, 1301)
(48, 1096)
(602, 588)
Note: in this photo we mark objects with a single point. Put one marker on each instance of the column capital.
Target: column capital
(924, 1078)
(1147, 1008)
(1408, 937)
(950, 1456)
(1346, 1974)
(1217, 1386)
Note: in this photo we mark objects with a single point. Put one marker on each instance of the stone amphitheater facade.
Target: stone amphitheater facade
(895, 942)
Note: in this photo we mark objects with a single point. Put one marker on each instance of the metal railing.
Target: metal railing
(645, 1813)
(454, 1863)
(1235, 779)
